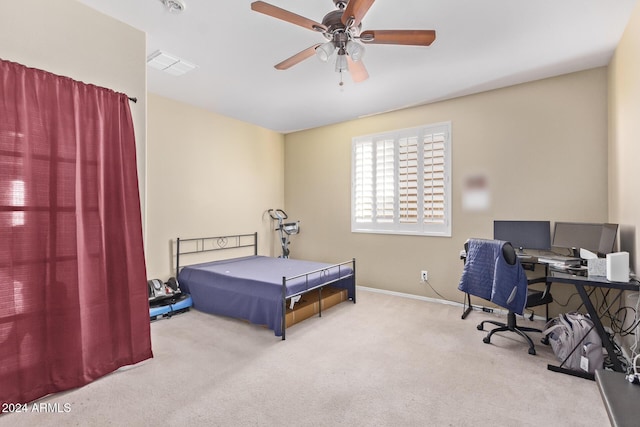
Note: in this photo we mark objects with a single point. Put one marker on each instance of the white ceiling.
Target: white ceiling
(480, 45)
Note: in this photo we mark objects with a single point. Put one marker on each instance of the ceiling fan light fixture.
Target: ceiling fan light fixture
(342, 29)
(341, 63)
(355, 50)
(324, 51)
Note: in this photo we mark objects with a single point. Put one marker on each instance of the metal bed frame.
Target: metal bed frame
(235, 241)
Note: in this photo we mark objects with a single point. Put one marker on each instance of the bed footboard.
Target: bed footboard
(345, 270)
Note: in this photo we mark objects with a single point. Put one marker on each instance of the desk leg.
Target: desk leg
(617, 366)
(581, 374)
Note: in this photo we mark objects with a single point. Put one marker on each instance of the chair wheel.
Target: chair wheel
(486, 340)
(545, 340)
(480, 327)
(532, 351)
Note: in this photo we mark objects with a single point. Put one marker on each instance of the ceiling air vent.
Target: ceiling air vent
(169, 63)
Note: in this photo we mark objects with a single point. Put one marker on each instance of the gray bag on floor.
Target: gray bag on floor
(569, 330)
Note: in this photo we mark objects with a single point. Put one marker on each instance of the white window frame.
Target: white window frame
(377, 159)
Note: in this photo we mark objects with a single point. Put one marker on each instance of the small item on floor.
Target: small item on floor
(575, 342)
(634, 376)
(166, 299)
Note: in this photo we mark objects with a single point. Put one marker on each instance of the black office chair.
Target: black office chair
(534, 298)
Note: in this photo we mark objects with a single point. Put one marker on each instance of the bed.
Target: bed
(253, 287)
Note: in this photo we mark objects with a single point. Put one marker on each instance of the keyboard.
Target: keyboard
(559, 259)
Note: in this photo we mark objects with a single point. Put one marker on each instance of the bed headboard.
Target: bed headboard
(216, 243)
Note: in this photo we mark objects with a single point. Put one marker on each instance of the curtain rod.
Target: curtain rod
(131, 98)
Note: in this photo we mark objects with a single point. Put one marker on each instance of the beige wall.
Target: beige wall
(68, 38)
(541, 145)
(207, 175)
(624, 138)
(532, 141)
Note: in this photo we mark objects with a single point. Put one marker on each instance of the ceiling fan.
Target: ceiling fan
(342, 27)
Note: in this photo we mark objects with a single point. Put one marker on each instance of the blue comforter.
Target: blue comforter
(250, 287)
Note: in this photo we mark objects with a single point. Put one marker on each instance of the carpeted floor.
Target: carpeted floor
(385, 361)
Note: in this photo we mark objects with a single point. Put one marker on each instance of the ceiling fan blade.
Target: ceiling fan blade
(355, 10)
(298, 57)
(404, 37)
(357, 70)
(285, 15)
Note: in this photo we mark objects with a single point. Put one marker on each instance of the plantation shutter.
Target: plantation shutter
(363, 185)
(408, 180)
(400, 182)
(434, 178)
(385, 181)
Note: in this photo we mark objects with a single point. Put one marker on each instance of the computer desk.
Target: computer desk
(580, 283)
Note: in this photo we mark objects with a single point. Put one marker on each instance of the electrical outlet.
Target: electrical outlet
(424, 275)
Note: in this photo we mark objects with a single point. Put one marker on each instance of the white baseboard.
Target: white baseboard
(411, 296)
(436, 300)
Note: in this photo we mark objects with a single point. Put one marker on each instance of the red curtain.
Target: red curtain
(73, 290)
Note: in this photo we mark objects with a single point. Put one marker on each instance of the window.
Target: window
(401, 182)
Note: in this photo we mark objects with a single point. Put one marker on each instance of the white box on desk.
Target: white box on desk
(597, 267)
(618, 267)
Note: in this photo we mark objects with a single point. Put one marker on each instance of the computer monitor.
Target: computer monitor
(524, 234)
(608, 239)
(597, 238)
